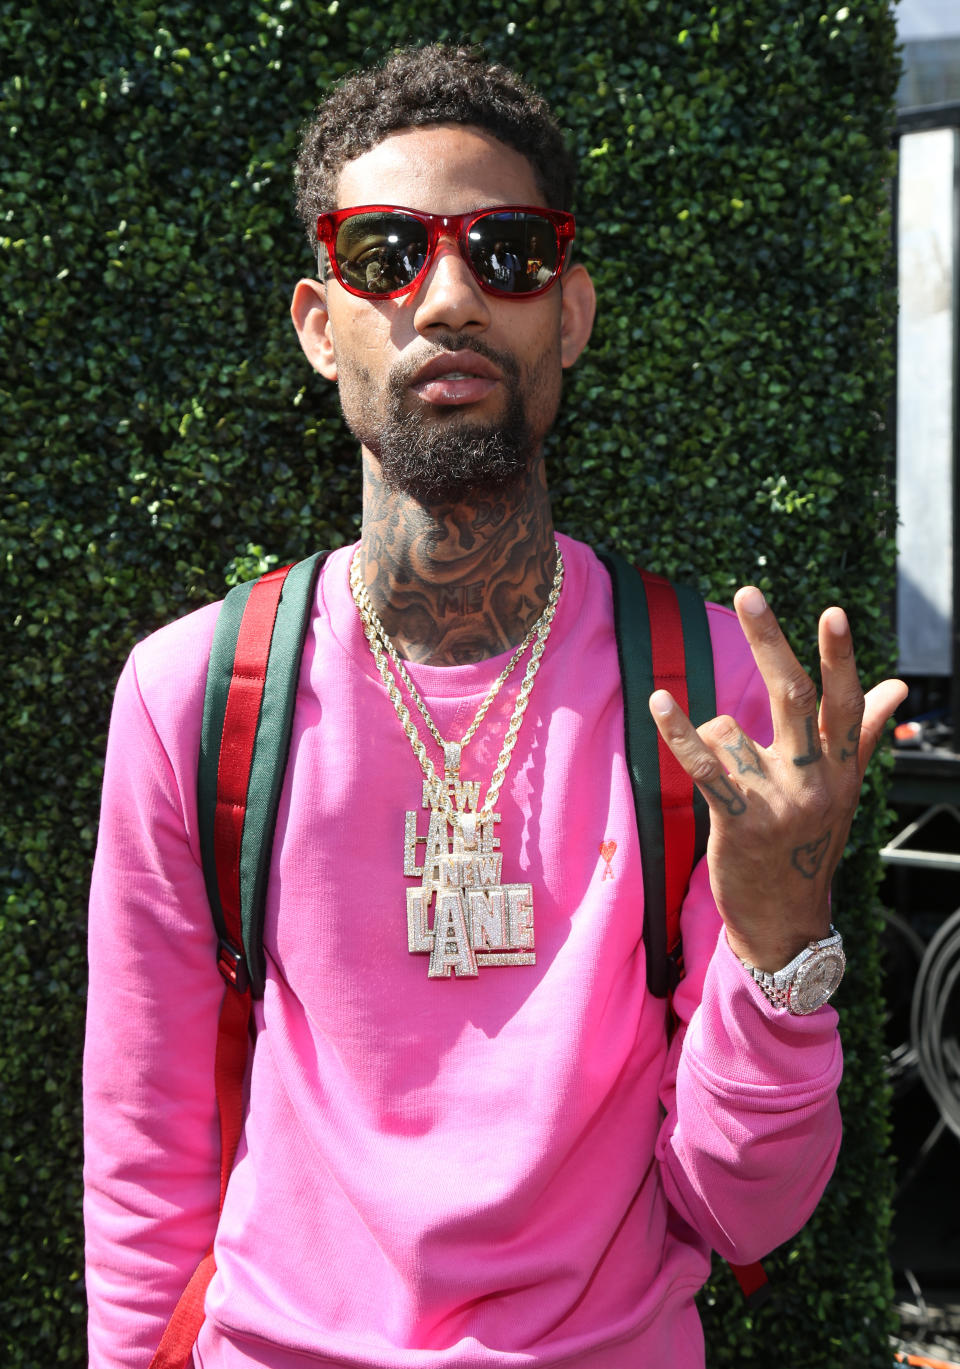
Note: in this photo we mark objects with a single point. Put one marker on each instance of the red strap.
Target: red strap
(176, 1344)
(239, 733)
(233, 1041)
(676, 799)
(233, 1036)
(752, 1278)
(233, 1030)
(676, 786)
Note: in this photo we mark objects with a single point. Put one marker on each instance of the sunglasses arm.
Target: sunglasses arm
(324, 270)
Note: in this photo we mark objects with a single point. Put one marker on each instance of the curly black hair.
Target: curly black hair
(417, 86)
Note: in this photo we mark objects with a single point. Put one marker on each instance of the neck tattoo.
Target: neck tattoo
(477, 920)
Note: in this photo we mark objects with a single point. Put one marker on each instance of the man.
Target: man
(504, 267)
(467, 1141)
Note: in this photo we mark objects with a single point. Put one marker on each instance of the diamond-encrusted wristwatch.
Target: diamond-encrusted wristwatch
(808, 981)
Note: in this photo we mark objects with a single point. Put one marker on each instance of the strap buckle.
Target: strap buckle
(232, 965)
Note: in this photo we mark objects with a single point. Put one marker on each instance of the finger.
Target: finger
(793, 695)
(841, 708)
(707, 772)
(878, 708)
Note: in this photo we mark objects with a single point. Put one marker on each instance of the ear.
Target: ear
(308, 309)
(579, 304)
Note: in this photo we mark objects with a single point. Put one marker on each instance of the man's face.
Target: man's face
(450, 389)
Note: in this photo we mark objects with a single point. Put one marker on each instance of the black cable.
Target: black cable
(921, 1156)
(935, 993)
(901, 965)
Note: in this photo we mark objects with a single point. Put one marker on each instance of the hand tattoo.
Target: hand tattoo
(746, 756)
(724, 792)
(814, 750)
(853, 736)
(808, 859)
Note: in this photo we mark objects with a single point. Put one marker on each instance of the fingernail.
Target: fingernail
(752, 601)
(661, 702)
(837, 622)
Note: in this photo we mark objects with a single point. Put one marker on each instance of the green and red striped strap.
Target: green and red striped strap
(247, 719)
(663, 638)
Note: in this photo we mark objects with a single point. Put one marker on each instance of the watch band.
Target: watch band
(810, 978)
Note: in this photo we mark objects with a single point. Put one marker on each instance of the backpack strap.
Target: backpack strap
(247, 718)
(663, 642)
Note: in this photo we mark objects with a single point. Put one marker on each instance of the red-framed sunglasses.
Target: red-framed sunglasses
(378, 251)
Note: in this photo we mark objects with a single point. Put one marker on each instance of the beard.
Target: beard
(447, 462)
(443, 457)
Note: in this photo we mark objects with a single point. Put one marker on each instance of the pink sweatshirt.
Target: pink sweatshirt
(505, 1170)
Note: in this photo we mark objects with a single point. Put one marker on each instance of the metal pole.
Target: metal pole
(955, 447)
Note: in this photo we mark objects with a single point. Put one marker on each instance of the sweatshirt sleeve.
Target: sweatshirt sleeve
(151, 1163)
(752, 1125)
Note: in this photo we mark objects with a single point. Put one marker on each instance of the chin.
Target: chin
(458, 461)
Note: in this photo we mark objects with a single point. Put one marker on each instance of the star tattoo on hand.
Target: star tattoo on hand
(746, 756)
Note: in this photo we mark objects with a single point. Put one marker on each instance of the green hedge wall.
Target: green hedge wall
(162, 436)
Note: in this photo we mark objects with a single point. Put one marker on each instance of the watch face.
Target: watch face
(816, 980)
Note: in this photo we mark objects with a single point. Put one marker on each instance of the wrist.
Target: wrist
(771, 952)
(808, 980)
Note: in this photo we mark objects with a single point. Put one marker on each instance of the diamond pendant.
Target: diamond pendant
(451, 760)
(461, 914)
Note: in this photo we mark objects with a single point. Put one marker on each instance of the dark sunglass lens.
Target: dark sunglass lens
(515, 253)
(378, 253)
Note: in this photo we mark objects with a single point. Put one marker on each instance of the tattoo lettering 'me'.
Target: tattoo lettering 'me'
(746, 756)
(814, 750)
(809, 858)
(461, 600)
(853, 736)
(724, 792)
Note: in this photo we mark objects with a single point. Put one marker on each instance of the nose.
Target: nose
(449, 297)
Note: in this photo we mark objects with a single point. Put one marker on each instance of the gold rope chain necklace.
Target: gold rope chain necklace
(380, 643)
(477, 920)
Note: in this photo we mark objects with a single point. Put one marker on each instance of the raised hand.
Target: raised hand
(779, 815)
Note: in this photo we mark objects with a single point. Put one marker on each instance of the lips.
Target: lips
(462, 377)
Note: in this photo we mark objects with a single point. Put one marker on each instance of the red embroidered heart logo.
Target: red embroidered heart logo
(608, 850)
